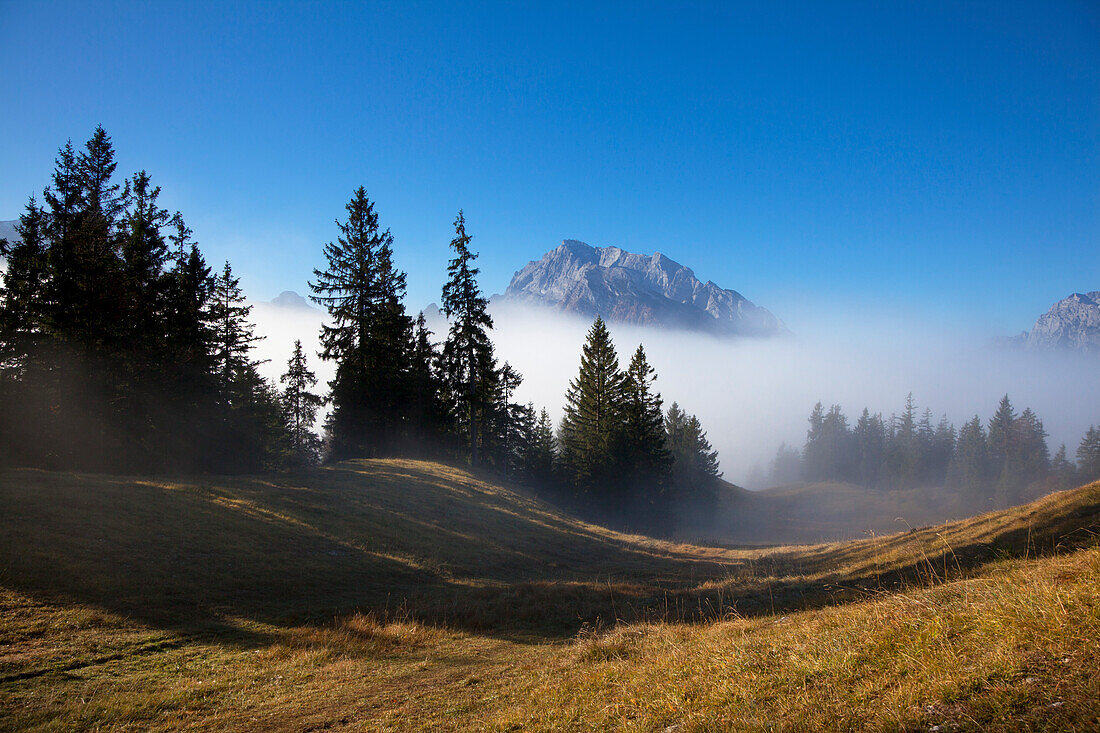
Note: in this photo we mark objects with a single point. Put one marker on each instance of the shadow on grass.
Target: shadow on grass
(424, 542)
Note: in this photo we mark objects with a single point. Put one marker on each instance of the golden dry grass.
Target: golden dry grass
(391, 595)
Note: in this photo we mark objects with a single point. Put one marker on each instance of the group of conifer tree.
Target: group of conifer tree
(120, 349)
(992, 463)
(619, 452)
(396, 392)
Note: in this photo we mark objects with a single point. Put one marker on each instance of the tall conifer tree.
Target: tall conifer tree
(542, 451)
(646, 454)
(970, 467)
(369, 338)
(1063, 472)
(468, 360)
(593, 420)
(695, 462)
(233, 333)
(301, 405)
(23, 308)
(1088, 455)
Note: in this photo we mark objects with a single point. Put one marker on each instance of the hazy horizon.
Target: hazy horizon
(901, 185)
(754, 394)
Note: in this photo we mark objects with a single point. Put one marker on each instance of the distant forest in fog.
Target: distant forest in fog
(991, 463)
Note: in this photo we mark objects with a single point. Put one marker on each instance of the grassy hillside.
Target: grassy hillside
(405, 594)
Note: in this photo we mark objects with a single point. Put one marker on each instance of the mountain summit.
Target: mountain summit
(632, 288)
(1071, 323)
(290, 299)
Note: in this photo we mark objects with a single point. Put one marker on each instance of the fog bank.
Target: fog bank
(752, 394)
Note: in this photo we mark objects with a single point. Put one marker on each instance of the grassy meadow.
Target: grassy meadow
(396, 595)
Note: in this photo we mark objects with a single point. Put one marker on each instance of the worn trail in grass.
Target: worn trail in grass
(405, 594)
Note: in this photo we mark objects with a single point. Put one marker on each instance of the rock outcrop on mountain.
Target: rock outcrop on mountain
(1072, 323)
(632, 288)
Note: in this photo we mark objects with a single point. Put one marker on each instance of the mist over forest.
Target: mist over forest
(752, 395)
(122, 349)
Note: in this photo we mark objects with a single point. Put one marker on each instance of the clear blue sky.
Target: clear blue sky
(938, 157)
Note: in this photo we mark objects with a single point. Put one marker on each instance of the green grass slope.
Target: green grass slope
(396, 594)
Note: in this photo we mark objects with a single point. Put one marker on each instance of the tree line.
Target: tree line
(398, 392)
(122, 349)
(992, 463)
(620, 453)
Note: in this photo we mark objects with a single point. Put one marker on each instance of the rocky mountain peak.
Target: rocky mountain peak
(291, 299)
(633, 288)
(1071, 323)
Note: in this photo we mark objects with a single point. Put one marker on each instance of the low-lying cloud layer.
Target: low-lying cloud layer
(751, 395)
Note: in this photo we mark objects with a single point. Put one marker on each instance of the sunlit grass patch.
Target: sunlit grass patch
(397, 595)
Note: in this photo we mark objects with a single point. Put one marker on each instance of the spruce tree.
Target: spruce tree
(838, 446)
(904, 451)
(542, 451)
(63, 197)
(940, 451)
(1062, 471)
(188, 327)
(301, 407)
(695, 470)
(103, 200)
(141, 355)
(89, 295)
(190, 393)
(813, 453)
(593, 419)
(249, 415)
(23, 308)
(969, 468)
(24, 324)
(369, 337)
(470, 368)
(870, 438)
(1003, 439)
(1030, 458)
(831, 453)
(1001, 435)
(1088, 455)
(646, 456)
(233, 333)
(786, 467)
(510, 424)
(79, 384)
(144, 253)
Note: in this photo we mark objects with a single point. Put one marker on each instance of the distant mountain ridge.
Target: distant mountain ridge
(291, 299)
(1072, 323)
(640, 289)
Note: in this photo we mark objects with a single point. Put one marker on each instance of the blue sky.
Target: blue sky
(935, 159)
